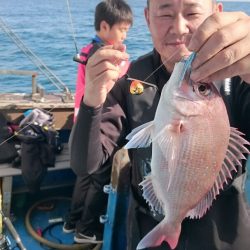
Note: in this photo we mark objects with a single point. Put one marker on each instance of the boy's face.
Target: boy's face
(117, 33)
(172, 23)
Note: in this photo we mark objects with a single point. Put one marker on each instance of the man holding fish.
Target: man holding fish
(186, 124)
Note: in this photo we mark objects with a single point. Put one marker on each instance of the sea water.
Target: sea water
(45, 28)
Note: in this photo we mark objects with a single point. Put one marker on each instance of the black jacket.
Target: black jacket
(226, 226)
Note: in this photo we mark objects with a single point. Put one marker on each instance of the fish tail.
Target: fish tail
(162, 232)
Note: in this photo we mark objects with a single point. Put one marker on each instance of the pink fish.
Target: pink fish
(194, 152)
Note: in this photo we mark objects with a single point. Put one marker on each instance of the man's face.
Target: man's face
(172, 23)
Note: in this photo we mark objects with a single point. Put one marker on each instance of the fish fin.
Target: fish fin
(162, 232)
(140, 137)
(202, 206)
(236, 147)
(206, 202)
(149, 195)
(169, 142)
(233, 158)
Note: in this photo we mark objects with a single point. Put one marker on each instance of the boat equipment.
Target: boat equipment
(13, 232)
(33, 233)
(76, 57)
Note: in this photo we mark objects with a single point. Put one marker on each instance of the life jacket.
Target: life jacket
(80, 81)
(86, 52)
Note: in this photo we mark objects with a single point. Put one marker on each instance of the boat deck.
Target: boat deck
(47, 222)
(13, 105)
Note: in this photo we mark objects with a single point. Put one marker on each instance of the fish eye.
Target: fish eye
(204, 89)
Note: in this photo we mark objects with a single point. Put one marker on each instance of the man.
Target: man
(110, 111)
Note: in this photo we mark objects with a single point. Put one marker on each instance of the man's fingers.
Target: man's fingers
(224, 59)
(223, 38)
(102, 71)
(222, 44)
(106, 76)
(102, 67)
(107, 53)
(231, 71)
(105, 63)
(211, 25)
(121, 47)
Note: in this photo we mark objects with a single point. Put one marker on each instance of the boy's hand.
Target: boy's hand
(102, 71)
(222, 44)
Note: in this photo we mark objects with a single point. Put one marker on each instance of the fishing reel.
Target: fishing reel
(77, 59)
(87, 54)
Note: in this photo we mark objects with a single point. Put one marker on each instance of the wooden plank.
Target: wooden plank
(6, 194)
(10, 171)
(13, 105)
(18, 72)
(120, 170)
(62, 162)
(22, 100)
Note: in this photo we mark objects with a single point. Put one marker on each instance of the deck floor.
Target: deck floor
(47, 223)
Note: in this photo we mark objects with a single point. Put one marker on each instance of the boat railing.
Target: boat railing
(51, 76)
(37, 89)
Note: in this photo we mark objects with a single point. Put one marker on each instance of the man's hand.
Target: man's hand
(102, 71)
(222, 44)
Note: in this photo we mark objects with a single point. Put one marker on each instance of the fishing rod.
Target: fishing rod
(76, 57)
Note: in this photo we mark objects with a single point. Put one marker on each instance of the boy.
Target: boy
(113, 19)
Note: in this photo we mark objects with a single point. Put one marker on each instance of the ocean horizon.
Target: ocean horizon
(45, 28)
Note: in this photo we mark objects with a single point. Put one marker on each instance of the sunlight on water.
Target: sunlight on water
(44, 27)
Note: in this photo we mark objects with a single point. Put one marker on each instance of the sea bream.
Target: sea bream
(194, 151)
